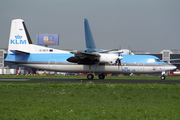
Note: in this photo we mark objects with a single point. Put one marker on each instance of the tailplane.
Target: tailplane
(90, 45)
(19, 37)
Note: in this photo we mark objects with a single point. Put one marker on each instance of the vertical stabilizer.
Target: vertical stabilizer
(90, 45)
(19, 36)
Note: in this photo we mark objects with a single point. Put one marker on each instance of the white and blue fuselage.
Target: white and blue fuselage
(58, 62)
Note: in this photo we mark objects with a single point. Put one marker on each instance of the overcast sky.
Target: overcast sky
(144, 25)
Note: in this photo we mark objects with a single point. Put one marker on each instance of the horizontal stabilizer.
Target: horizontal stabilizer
(18, 52)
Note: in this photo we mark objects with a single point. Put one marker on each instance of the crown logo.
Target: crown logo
(18, 37)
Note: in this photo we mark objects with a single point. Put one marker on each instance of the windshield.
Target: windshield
(158, 60)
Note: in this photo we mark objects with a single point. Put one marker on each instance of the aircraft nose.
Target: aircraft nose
(172, 67)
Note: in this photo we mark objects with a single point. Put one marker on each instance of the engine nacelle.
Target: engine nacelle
(109, 58)
(85, 61)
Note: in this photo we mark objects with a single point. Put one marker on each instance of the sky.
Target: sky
(144, 25)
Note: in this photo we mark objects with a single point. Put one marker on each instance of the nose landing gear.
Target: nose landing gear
(163, 77)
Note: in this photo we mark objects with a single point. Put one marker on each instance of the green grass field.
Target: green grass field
(89, 101)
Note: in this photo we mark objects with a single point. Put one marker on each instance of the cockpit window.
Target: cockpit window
(153, 60)
(158, 60)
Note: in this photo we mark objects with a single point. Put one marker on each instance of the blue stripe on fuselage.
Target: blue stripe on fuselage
(140, 59)
(62, 57)
(59, 57)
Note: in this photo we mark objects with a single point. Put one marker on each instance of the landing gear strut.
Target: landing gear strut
(90, 76)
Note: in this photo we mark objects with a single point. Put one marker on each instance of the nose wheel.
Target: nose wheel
(163, 77)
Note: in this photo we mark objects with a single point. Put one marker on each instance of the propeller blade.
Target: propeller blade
(119, 59)
(119, 62)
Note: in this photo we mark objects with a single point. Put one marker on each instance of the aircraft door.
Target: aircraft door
(141, 66)
(159, 66)
(52, 64)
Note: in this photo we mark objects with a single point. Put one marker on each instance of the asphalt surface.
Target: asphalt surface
(95, 80)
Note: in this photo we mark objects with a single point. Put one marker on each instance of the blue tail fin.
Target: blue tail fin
(90, 45)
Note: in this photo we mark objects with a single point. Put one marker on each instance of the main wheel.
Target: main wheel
(101, 76)
(163, 77)
(90, 76)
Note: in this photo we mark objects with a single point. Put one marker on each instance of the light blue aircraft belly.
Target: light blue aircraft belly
(69, 67)
(51, 61)
(38, 58)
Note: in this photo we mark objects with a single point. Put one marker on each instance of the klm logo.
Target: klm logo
(125, 69)
(18, 37)
(18, 40)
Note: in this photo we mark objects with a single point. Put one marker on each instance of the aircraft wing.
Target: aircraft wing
(105, 51)
(174, 59)
(84, 58)
(171, 60)
(85, 54)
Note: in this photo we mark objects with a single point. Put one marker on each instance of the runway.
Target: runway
(95, 80)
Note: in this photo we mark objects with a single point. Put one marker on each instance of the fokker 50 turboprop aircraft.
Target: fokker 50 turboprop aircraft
(92, 60)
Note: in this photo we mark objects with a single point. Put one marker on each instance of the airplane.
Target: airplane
(22, 51)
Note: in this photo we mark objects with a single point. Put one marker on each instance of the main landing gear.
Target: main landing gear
(101, 76)
(91, 76)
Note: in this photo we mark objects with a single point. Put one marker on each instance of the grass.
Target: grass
(84, 77)
(89, 101)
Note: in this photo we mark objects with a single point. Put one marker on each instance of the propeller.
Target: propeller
(119, 59)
